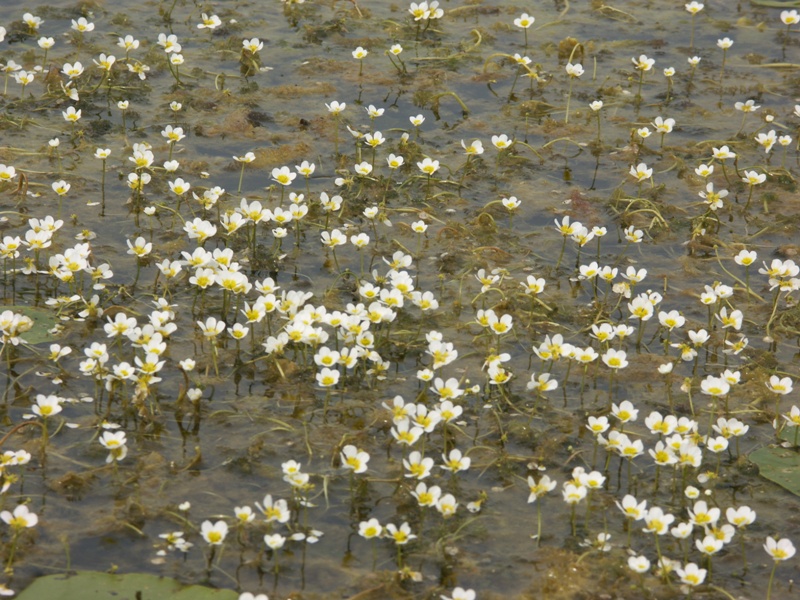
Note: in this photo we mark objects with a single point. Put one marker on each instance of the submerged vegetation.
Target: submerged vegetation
(433, 301)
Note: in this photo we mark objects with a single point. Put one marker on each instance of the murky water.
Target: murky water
(226, 449)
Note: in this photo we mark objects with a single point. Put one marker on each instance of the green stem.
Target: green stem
(641, 81)
(574, 533)
(569, 97)
(538, 522)
(771, 578)
(598, 141)
(561, 255)
(749, 197)
(103, 189)
(774, 310)
(13, 550)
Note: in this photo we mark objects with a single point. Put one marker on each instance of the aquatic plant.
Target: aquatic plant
(401, 366)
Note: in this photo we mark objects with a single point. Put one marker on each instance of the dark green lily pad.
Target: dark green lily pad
(779, 465)
(91, 585)
(43, 321)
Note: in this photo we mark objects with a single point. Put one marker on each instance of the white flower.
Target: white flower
(253, 45)
(473, 149)
(428, 166)
(114, 442)
(778, 550)
(460, 594)
(82, 25)
(71, 114)
(274, 541)
(663, 125)
(394, 161)
(209, 21)
(501, 142)
(714, 386)
(128, 43)
(780, 385)
(363, 168)
(691, 574)
(639, 564)
(354, 459)
(283, 175)
(370, 529)
(643, 63)
(373, 112)
(625, 412)
(524, 21)
(21, 518)
(641, 172)
(574, 70)
(741, 517)
(790, 17)
(709, 545)
(455, 462)
(214, 533)
(694, 7)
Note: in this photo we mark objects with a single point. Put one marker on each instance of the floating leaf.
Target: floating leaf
(776, 3)
(91, 585)
(779, 465)
(43, 321)
(787, 434)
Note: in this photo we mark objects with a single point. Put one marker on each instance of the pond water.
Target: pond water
(201, 439)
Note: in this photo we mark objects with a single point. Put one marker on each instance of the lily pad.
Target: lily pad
(779, 465)
(91, 585)
(43, 321)
(776, 3)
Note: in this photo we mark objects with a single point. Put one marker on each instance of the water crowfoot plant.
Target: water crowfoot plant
(693, 8)
(642, 64)
(394, 325)
(724, 44)
(788, 18)
(19, 520)
(596, 106)
(401, 535)
(371, 530)
(360, 54)
(573, 71)
(214, 534)
(669, 73)
(752, 179)
(524, 22)
(394, 53)
(779, 550)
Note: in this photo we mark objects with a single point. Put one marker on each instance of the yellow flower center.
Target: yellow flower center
(214, 537)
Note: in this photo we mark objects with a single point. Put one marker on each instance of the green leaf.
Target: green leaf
(91, 585)
(787, 434)
(779, 465)
(776, 3)
(43, 321)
